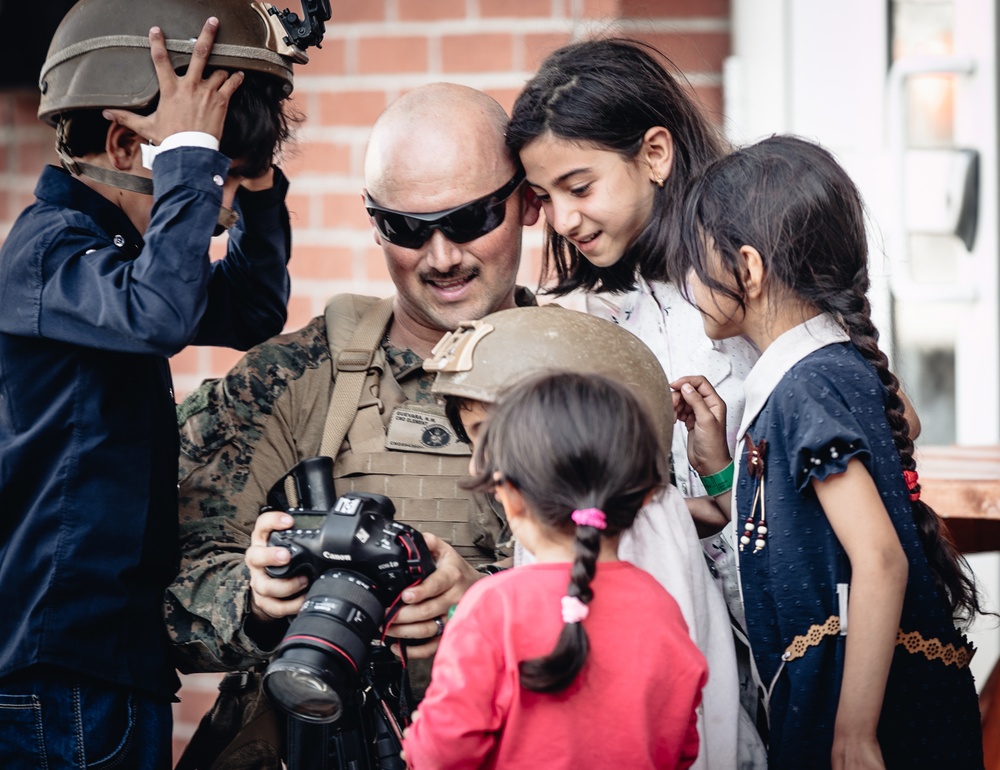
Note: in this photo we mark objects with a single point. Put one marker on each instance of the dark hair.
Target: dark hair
(568, 441)
(258, 124)
(85, 132)
(790, 200)
(453, 406)
(610, 92)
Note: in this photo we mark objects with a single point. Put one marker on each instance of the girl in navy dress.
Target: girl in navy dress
(851, 585)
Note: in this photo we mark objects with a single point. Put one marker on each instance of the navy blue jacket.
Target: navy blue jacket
(89, 312)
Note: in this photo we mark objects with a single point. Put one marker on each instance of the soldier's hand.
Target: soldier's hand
(272, 598)
(426, 605)
(188, 102)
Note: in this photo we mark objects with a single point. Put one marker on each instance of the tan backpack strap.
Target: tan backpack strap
(351, 369)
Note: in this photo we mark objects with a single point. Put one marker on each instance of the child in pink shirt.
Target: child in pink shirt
(579, 660)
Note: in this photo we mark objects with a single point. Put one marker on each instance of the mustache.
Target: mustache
(455, 274)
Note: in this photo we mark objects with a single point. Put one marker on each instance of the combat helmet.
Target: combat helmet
(482, 359)
(99, 55)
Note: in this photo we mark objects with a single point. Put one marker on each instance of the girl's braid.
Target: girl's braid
(556, 670)
(945, 560)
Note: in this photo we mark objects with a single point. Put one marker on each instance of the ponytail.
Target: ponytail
(566, 441)
(557, 670)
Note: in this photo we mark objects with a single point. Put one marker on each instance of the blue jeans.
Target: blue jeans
(51, 718)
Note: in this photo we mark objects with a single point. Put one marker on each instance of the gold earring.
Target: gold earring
(659, 181)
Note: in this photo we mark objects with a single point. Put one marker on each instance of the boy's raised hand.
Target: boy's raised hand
(188, 102)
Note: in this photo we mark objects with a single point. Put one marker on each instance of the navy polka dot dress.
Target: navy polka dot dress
(827, 409)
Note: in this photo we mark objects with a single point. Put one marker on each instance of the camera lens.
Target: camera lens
(313, 689)
(320, 659)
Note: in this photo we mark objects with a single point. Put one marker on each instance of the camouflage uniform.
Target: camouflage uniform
(241, 433)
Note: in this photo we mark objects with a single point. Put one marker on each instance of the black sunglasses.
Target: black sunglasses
(460, 225)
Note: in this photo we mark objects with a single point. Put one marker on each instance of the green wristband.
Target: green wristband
(720, 482)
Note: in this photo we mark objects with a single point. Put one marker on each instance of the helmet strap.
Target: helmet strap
(114, 178)
(111, 177)
(108, 176)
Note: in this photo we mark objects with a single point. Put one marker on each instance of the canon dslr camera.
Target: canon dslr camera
(359, 561)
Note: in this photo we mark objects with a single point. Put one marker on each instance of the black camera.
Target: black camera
(359, 561)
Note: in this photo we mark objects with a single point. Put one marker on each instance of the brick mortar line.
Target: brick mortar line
(324, 184)
(522, 24)
(393, 81)
(184, 728)
(707, 25)
(390, 81)
(16, 181)
(202, 681)
(339, 237)
(19, 133)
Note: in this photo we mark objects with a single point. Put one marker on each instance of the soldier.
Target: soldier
(243, 432)
(477, 363)
(101, 279)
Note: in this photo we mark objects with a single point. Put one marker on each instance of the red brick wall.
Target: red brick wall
(382, 49)
(374, 51)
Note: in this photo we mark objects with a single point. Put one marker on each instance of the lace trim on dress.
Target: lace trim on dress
(913, 641)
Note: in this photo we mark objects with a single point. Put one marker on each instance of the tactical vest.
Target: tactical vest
(422, 471)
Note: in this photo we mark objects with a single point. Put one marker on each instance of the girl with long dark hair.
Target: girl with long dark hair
(609, 138)
(851, 585)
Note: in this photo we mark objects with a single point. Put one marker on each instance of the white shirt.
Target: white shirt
(658, 314)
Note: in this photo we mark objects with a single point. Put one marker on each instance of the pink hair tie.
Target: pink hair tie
(574, 610)
(590, 517)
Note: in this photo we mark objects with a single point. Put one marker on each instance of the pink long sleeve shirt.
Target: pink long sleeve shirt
(632, 706)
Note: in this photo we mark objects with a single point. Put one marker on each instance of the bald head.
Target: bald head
(437, 138)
